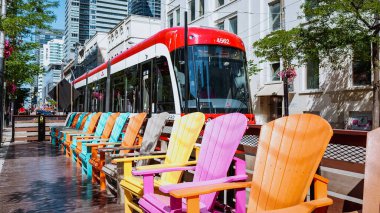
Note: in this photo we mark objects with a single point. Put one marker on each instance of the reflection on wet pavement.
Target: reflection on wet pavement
(36, 177)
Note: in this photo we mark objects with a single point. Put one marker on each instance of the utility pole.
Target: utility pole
(285, 78)
(2, 45)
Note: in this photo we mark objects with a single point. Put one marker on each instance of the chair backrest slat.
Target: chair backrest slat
(133, 128)
(152, 132)
(93, 122)
(109, 125)
(80, 119)
(102, 123)
(118, 127)
(75, 120)
(70, 118)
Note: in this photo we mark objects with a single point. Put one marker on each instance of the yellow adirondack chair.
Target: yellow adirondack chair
(182, 140)
(289, 152)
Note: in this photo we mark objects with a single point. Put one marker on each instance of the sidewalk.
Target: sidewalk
(36, 177)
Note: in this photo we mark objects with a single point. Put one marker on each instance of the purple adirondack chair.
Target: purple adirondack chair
(220, 140)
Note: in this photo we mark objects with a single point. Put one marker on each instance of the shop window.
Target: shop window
(219, 3)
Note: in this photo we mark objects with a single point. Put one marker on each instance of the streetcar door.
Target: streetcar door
(146, 86)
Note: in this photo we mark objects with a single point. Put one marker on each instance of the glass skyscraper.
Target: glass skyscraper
(86, 17)
(150, 8)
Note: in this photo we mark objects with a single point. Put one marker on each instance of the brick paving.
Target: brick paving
(36, 177)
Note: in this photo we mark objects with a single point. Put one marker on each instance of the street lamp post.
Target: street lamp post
(2, 44)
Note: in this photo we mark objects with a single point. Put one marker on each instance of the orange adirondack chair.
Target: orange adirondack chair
(69, 137)
(289, 152)
(98, 159)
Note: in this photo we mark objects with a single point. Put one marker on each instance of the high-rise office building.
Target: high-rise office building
(150, 8)
(51, 55)
(42, 37)
(86, 17)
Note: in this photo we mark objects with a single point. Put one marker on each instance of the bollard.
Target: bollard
(41, 128)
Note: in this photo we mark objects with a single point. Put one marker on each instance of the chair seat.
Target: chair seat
(162, 202)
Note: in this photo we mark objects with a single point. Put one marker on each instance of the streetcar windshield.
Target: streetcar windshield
(217, 79)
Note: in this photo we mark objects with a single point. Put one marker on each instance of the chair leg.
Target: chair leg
(128, 203)
(102, 181)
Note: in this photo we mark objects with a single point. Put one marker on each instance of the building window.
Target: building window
(121, 30)
(312, 74)
(233, 25)
(192, 10)
(219, 3)
(116, 34)
(201, 7)
(361, 65)
(275, 69)
(178, 13)
(275, 17)
(170, 19)
(220, 26)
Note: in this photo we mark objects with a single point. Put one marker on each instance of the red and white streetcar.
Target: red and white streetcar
(150, 76)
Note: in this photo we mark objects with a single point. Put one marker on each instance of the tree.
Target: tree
(332, 30)
(280, 45)
(22, 20)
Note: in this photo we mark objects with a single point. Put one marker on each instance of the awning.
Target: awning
(272, 89)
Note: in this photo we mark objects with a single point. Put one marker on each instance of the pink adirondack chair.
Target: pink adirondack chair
(220, 141)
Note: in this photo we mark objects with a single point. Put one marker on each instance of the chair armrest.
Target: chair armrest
(119, 160)
(200, 190)
(102, 144)
(309, 206)
(163, 168)
(169, 188)
(83, 134)
(158, 153)
(111, 149)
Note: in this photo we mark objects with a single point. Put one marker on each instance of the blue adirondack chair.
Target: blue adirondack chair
(66, 132)
(85, 155)
(77, 126)
(98, 132)
(54, 131)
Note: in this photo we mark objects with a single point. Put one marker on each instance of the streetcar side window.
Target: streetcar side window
(164, 99)
(132, 93)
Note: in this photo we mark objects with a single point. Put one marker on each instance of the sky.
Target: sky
(60, 16)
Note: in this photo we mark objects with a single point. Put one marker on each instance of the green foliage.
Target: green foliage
(280, 44)
(336, 27)
(23, 16)
(22, 19)
(19, 67)
(252, 68)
